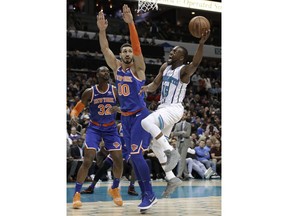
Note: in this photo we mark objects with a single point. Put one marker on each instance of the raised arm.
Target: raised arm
(139, 62)
(188, 70)
(109, 56)
(153, 86)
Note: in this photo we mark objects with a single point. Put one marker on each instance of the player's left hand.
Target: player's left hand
(115, 109)
(143, 89)
(205, 36)
(127, 15)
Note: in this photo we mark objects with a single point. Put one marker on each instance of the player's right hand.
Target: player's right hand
(102, 23)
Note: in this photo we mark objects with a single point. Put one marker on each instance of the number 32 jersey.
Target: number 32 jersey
(100, 104)
(128, 87)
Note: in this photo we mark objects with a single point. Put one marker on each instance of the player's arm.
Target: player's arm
(78, 108)
(153, 86)
(188, 70)
(115, 109)
(139, 62)
(109, 56)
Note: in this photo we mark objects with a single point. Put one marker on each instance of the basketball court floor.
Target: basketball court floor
(195, 197)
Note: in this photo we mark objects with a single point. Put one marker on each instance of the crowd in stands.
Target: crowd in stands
(154, 26)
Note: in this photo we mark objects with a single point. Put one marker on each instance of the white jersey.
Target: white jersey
(172, 90)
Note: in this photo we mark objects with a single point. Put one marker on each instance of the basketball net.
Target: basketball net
(147, 5)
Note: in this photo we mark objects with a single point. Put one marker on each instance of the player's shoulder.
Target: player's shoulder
(88, 90)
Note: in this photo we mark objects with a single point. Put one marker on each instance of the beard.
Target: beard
(129, 61)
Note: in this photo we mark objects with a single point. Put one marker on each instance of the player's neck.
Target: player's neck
(125, 66)
(102, 86)
(175, 65)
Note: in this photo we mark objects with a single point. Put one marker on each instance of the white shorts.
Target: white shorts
(168, 115)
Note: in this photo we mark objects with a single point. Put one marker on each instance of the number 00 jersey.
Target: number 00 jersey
(128, 87)
(100, 104)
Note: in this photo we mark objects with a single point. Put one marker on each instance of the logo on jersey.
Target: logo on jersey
(116, 144)
(109, 92)
(134, 147)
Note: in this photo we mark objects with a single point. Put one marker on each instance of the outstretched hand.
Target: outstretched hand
(143, 89)
(102, 23)
(205, 36)
(127, 15)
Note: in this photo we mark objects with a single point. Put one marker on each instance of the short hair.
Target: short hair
(99, 69)
(185, 53)
(125, 45)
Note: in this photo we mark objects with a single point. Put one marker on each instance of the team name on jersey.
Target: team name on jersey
(124, 78)
(170, 80)
(103, 100)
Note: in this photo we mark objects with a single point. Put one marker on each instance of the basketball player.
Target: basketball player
(129, 74)
(100, 98)
(174, 76)
(108, 162)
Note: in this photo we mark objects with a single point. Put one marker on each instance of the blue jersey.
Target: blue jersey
(128, 87)
(100, 104)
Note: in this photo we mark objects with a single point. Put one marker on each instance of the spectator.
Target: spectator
(182, 130)
(216, 155)
(74, 135)
(203, 155)
(197, 166)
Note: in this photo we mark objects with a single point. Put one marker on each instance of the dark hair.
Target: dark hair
(185, 53)
(125, 45)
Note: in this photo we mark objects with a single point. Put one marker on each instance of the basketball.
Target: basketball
(198, 25)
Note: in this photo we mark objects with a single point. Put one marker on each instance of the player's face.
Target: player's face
(104, 73)
(126, 55)
(174, 55)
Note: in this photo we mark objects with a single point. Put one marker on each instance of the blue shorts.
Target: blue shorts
(125, 152)
(110, 136)
(136, 138)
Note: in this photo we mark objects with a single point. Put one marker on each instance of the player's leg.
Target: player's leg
(131, 188)
(159, 124)
(107, 163)
(140, 139)
(91, 144)
(81, 175)
(172, 159)
(113, 145)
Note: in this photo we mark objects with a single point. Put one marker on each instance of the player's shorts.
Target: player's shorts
(136, 138)
(125, 152)
(166, 116)
(111, 138)
(170, 113)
